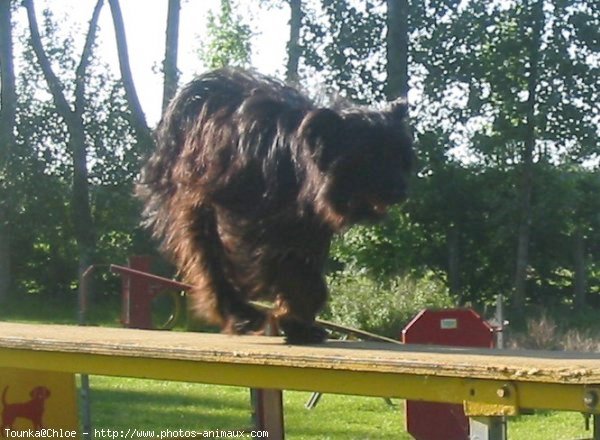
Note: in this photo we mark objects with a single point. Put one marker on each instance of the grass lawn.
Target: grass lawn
(548, 425)
(153, 405)
(119, 403)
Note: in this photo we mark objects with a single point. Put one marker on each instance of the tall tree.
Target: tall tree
(228, 42)
(73, 117)
(583, 223)
(170, 72)
(294, 50)
(45, 253)
(533, 36)
(344, 41)
(8, 113)
(397, 49)
(512, 85)
(138, 118)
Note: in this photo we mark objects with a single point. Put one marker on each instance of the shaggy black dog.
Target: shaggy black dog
(248, 184)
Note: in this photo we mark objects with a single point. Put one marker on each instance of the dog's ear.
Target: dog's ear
(322, 131)
(399, 110)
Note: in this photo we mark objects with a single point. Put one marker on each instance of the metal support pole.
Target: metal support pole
(267, 404)
(487, 428)
(84, 391)
(500, 321)
(268, 412)
(86, 411)
(316, 396)
(314, 399)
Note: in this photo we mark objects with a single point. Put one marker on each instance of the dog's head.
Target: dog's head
(364, 158)
(40, 393)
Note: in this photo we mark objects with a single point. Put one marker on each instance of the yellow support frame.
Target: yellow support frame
(487, 382)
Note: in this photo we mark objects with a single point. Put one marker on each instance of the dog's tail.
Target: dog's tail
(155, 186)
(4, 395)
(195, 104)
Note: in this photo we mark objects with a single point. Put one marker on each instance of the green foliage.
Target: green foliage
(44, 251)
(383, 307)
(343, 41)
(458, 229)
(228, 39)
(477, 64)
(383, 250)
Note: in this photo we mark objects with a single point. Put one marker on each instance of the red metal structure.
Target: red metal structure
(140, 288)
(453, 327)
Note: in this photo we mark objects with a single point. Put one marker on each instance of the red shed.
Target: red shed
(453, 327)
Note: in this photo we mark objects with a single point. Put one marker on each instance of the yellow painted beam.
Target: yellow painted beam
(488, 382)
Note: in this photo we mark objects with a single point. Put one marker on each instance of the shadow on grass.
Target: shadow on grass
(155, 405)
(62, 309)
(118, 408)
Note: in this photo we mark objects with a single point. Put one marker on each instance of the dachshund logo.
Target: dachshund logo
(33, 409)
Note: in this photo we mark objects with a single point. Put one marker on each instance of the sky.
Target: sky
(145, 24)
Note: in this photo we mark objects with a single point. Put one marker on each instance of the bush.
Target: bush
(543, 333)
(382, 307)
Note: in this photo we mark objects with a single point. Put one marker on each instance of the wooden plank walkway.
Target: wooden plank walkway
(488, 382)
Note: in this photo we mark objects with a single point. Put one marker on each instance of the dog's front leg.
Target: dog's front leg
(301, 293)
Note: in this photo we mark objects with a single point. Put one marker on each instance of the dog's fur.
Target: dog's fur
(248, 184)
(32, 410)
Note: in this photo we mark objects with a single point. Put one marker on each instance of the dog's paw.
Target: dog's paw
(246, 320)
(300, 333)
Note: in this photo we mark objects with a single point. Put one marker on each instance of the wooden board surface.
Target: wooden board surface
(522, 366)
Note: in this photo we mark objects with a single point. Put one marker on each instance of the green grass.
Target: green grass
(119, 403)
(58, 310)
(153, 405)
(548, 425)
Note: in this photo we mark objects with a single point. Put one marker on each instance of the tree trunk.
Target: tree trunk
(293, 47)
(8, 111)
(526, 185)
(80, 208)
(170, 72)
(580, 276)
(523, 237)
(5, 260)
(138, 119)
(397, 49)
(453, 239)
(80, 201)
